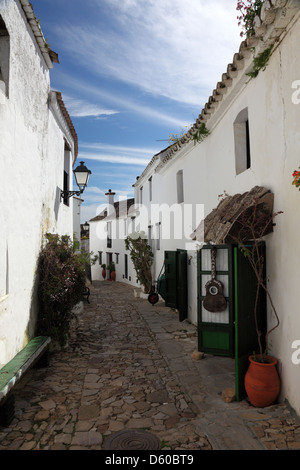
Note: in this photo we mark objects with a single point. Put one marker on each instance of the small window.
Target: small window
(109, 235)
(150, 188)
(67, 170)
(66, 187)
(180, 194)
(158, 235)
(132, 224)
(100, 253)
(242, 142)
(141, 195)
(150, 235)
(4, 58)
(126, 266)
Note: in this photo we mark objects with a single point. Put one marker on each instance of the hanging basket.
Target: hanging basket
(262, 382)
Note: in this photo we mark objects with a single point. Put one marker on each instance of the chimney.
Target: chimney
(110, 203)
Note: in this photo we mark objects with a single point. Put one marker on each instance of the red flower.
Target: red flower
(296, 181)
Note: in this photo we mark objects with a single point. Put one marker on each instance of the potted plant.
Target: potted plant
(103, 266)
(262, 382)
(112, 270)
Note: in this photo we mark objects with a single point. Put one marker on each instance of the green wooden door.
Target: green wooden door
(216, 330)
(176, 281)
(171, 279)
(245, 285)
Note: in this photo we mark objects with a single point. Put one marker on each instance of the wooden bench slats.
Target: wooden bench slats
(12, 372)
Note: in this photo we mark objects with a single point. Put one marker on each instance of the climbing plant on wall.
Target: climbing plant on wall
(260, 62)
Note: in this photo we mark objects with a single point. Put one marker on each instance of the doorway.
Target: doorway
(232, 332)
(176, 287)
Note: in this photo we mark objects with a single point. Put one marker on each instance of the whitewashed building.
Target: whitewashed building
(121, 218)
(38, 148)
(254, 141)
(253, 148)
(108, 231)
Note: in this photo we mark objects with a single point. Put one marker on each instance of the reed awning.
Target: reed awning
(234, 215)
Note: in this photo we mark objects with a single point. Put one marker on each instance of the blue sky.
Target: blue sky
(133, 72)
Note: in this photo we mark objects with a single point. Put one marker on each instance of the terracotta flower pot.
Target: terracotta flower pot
(104, 273)
(113, 275)
(262, 382)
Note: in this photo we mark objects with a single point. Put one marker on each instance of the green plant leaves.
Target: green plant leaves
(260, 62)
(62, 277)
(201, 133)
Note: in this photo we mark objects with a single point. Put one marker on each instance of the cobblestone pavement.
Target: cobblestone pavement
(130, 366)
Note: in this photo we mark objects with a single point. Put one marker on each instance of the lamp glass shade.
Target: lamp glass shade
(82, 175)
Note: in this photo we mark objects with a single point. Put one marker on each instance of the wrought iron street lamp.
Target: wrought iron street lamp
(82, 175)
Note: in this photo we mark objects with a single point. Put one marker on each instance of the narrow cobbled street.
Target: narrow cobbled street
(129, 367)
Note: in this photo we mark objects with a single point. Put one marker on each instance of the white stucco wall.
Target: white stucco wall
(32, 161)
(76, 217)
(209, 169)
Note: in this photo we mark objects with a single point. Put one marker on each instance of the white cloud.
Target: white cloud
(116, 159)
(170, 48)
(94, 190)
(81, 108)
(113, 148)
(121, 166)
(121, 101)
(140, 109)
(116, 154)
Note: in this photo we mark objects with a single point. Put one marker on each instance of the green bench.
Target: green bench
(36, 353)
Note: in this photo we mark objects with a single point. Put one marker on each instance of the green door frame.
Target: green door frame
(246, 342)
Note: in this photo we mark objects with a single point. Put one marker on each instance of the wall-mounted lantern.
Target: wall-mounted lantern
(82, 175)
(85, 227)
